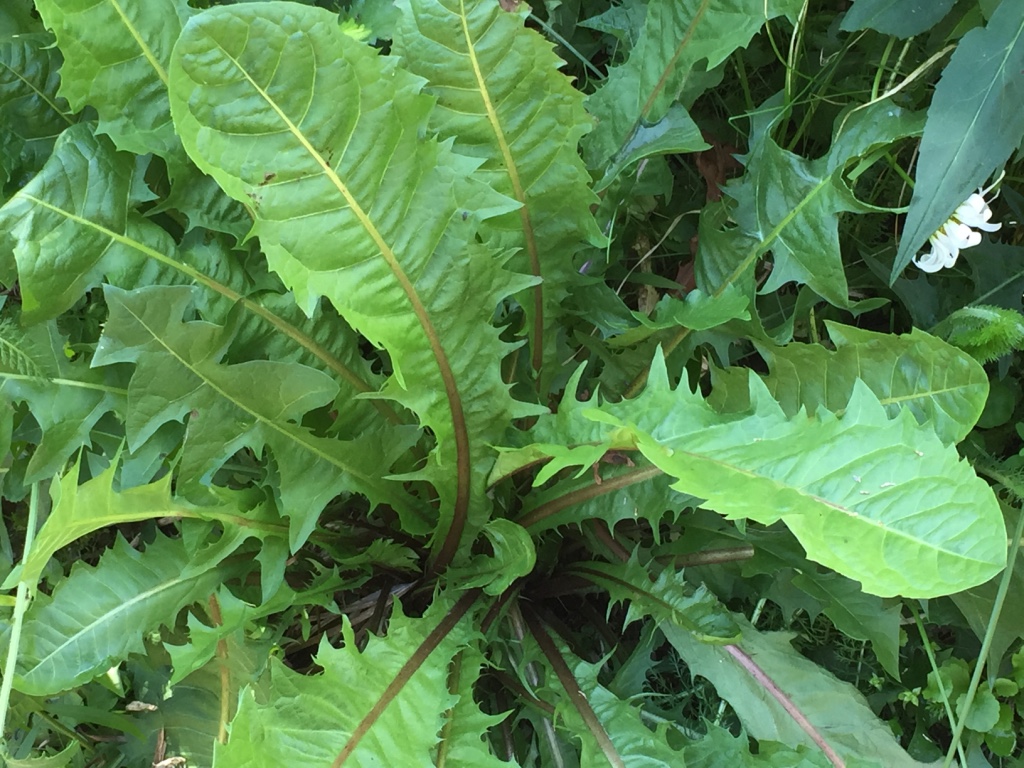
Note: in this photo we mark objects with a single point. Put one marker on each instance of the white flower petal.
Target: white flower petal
(958, 232)
(975, 212)
(930, 262)
(962, 235)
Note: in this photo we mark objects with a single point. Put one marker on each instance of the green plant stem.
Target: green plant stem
(709, 556)
(741, 74)
(899, 63)
(794, 44)
(20, 606)
(881, 68)
(565, 44)
(942, 689)
(997, 608)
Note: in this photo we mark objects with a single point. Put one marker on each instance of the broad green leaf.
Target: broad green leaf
(835, 708)
(502, 98)
(668, 598)
(857, 615)
(970, 132)
(98, 615)
(205, 205)
(998, 274)
(113, 240)
(799, 584)
(31, 113)
(190, 718)
(67, 398)
(353, 204)
(81, 196)
(726, 255)
(624, 22)
(16, 18)
(674, 133)
(385, 705)
(943, 387)
(676, 36)
(697, 311)
(719, 747)
(115, 61)
(255, 404)
(879, 500)
(882, 501)
(513, 557)
(79, 510)
(791, 205)
(900, 18)
(868, 127)
(976, 605)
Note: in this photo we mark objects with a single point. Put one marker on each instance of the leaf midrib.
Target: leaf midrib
(111, 615)
(147, 52)
(205, 280)
(44, 96)
(847, 512)
(461, 435)
(518, 191)
(294, 437)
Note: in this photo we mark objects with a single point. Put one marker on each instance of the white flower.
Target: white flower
(957, 233)
(976, 213)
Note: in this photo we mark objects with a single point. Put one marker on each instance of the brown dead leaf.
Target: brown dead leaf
(716, 165)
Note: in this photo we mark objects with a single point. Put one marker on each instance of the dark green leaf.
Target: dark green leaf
(969, 133)
(900, 18)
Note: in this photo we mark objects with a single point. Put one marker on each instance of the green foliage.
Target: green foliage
(115, 61)
(969, 133)
(892, 17)
(452, 382)
(99, 615)
(832, 705)
(986, 333)
(916, 372)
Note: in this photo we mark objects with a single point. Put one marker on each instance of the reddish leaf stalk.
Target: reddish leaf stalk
(430, 642)
(554, 506)
(576, 696)
(761, 676)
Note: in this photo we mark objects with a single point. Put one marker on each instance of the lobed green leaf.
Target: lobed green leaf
(254, 404)
(353, 204)
(881, 501)
(66, 398)
(835, 708)
(943, 387)
(382, 706)
(668, 598)
(115, 61)
(501, 97)
(98, 615)
(32, 115)
(970, 132)
(677, 34)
